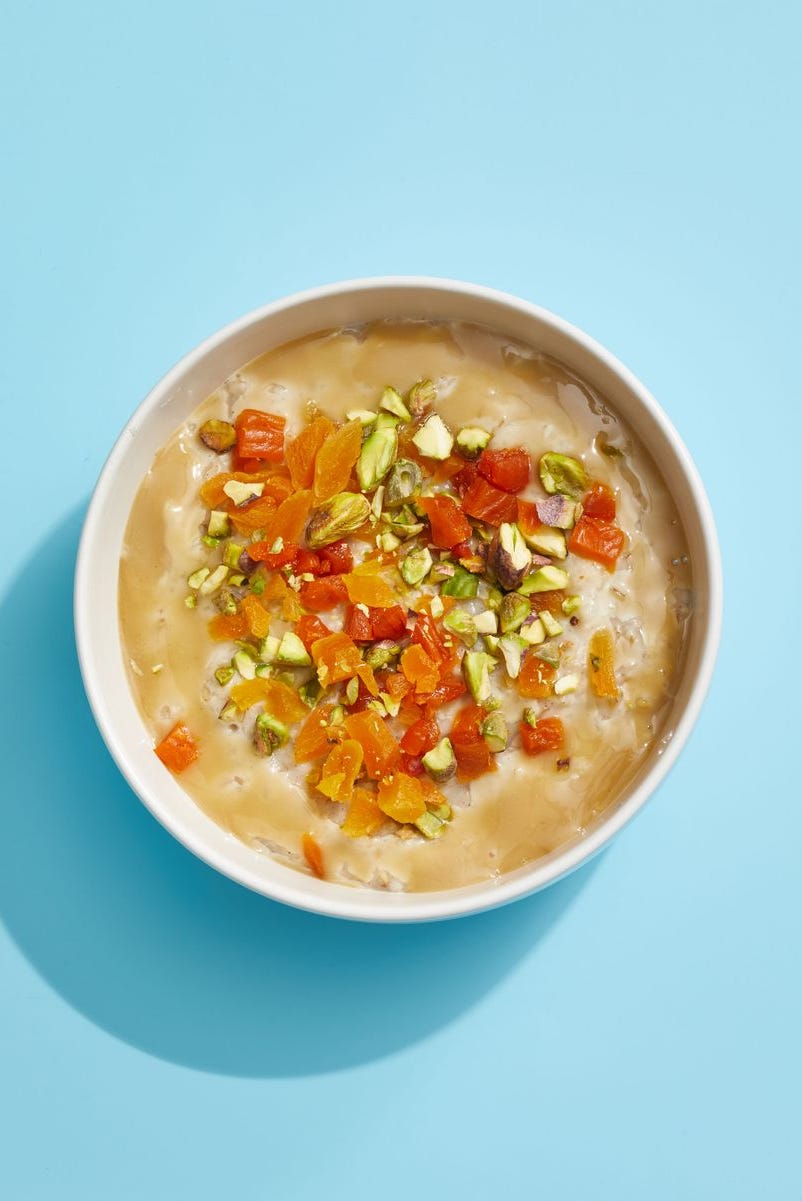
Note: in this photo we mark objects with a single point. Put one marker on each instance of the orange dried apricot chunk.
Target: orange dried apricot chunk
(400, 796)
(340, 771)
(379, 748)
(312, 741)
(289, 520)
(254, 516)
(256, 615)
(369, 590)
(364, 816)
(178, 749)
(228, 627)
(536, 678)
(281, 700)
(313, 855)
(419, 669)
(335, 460)
(601, 665)
(336, 658)
(300, 453)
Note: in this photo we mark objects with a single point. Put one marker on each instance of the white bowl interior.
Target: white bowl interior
(174, 398)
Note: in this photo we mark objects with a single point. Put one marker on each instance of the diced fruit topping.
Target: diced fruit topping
(178, 749)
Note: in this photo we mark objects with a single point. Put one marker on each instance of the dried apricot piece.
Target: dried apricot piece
(320, 595)
(369, 590)
(281, 701)
(313, 855)
(536, 678)
(364, 816)
(340, 771)
(228, 628)
(379, 747)
(260, 435)
(178, 749)
(301, 451)
(256, 615)
(289, 520)
(254, 516)
(277, 589)
(601, 665)
(312, 740)
(546, 735)
(336, 658)
(335, 460)
(419, 669)
(400, 796)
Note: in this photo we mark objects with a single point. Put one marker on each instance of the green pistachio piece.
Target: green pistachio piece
(229, 712)
(548, 542)
(241, 493)
(392, 402)
(403, 483)
(545, 579)
(231, 554)
(513, 611)
(512, 649)
(224, 675)
(269, 734)
(476, 668)
(219, 524)
(509, 556)
(461, 583)
(292, 652)
(363, 416)
(219, 436)
(471, 441)
(197, 578)
(494, 731)
(533, 631)
(245, 665)
(429, 824)
(461, 623)
(214, 581)
(416, 565)
(434, 439)
(382, 653)
(310, 692)
(561, 473)
(553, 628)
(571, 605)
(440, 762)
(352, 690)
(343, 514)
(421, 397)
(226, 602)
(376, 457)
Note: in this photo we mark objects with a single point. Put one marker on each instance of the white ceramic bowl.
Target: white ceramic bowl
(174, 398)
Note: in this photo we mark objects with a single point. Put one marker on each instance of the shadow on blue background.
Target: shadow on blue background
(160, 950)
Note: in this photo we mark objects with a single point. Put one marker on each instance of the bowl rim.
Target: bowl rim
(335, 901)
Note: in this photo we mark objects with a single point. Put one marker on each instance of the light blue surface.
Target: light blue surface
(632, 1033)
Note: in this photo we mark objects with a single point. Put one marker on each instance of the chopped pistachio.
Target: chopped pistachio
(310, 692)
(391, 703)
(566, 684)
(269, 734)
(434, 439)
(545, 579)
(224, 675)
(190, 602)
(388, 542)
(440, 762)
(461, 584)
(209, 541)
(486, 622)
(561, 473)
(513, 611)
(376, 457)
(548, 541)
(229, 712)
(337, 716)
(386, 421)
(509, 555)
(476, 667)
(231, 554)
(381, 654)
(492, 644)
(197, 577)
(471, 441)
(392, 402)
(571, 605)
(549, 654)
(553, 628)
(443, 811)
(352, 690)
(377, 501)
(264, 671)
(530, 716)
(416, 565)
(512, 648)
(241, 493)
(245, 665)
(403, 483)
(429, 824)
(257, 583)
(375, 704)
(226, 602)
(156, 668)
(494, 731)
(494, 598)
(237, 579)
(219, 524)
(340, 516)
(436, 606)
(442, 572)
(292, 652)
(363, 416)
(219, 436)
(214, 581)
(461, 623)
(420, 396)
(268, 648)
(533, 631)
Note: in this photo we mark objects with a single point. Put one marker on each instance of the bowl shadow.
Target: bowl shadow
(161, 951)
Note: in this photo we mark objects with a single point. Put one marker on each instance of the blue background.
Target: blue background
(631, 1033)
